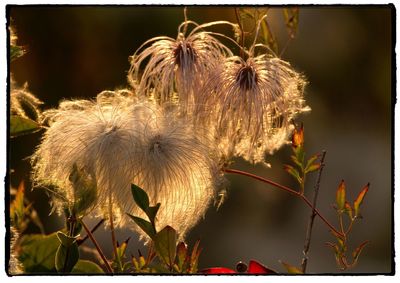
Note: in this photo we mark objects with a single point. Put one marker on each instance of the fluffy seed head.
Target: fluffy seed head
(176, 68)
(253, 102)
(119, 140)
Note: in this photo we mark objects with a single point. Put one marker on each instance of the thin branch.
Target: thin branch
(312, 215)
(81, 241)
(289, 190)
(109, 269)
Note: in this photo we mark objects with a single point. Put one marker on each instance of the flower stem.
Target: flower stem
(241, 32)
(81, 241)
(312, 216)
(113, 238)
(289, 190)
(90, 235)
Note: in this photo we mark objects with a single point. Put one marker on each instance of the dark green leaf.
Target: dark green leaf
(152, 212)
(20, 126)
(66, 240)
(145, 225)
(165, 245)
(140, 197)
(66, 257)
(86, 267)
(37, 253)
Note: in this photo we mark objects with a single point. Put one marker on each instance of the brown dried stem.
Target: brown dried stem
(312, 215)
(289, 190)
(109, 269)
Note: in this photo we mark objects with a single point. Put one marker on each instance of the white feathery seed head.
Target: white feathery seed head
(118, 140)
(175, 169)
(253, 102)
(176, 68)
(84, 134)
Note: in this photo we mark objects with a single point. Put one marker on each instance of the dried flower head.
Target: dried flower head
(82, 134)
(253, 102)
(176, 68)
(175, 169)
(119, 140)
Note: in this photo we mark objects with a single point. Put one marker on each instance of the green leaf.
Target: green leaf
(140, 197)
(293, 171)
(21, 126)
(341, 196)
(145, 225)
(37, 253)
(66, 257)
(312, 167)
(152, 212)
(165, 245)
(66, 240)
(291, 269)
(359, 200)
(86, 267)
(268, 36)
(194, 258)
(348, 210)
(181, 253)
(16, 52)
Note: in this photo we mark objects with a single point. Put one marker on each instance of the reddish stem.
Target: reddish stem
(289, 190)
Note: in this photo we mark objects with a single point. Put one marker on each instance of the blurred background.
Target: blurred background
(346, 54)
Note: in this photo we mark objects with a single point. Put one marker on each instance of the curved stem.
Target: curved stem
(289, 190)
(109, 269)
(241, 32)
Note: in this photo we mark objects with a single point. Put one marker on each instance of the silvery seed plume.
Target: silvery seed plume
(176, 68)
(253, 102)
(175, 169)
(83, 133)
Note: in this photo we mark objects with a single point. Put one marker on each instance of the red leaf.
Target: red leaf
(217, 270)
(257, 268)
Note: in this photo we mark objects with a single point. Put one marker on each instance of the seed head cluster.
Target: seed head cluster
(191, 106)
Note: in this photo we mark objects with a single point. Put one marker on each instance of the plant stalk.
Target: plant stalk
(90, 235)
(289, 190)
(307, 242)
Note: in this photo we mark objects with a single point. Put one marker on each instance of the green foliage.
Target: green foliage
(302, 167)
(21, 126)
(343, 207)
(86, 267)
(291, 269)
(16, 52)
(37, 253)
(165, 245)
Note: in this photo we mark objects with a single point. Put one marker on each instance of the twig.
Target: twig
(81, 241)
(312, 216)
(289, 190)
(109, 269)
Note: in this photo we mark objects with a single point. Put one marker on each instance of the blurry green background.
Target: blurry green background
(344, 51)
